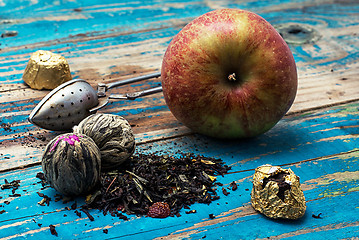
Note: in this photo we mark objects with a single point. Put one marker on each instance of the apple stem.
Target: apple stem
(232, 77)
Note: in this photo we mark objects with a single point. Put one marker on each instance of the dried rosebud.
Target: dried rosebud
(72, 164)
(112, 134)
(159, 210)
(276, 193)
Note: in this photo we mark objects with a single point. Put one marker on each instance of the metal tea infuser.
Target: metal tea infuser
(69, 103)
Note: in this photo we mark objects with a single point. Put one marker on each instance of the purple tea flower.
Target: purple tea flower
(69, 139)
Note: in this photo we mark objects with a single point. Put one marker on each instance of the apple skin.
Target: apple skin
(201, 58)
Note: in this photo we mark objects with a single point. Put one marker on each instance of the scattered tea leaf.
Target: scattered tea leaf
(191, 211)
(53, 230)
(225, 192)
(317, 216)
(88, 214)
(234, 186)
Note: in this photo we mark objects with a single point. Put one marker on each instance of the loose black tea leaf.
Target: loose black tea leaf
(14, 185)
(53, 230)
(15, 195)
(88, 214)
(146, 179)
(191, 211)
(316, 216)
(40, 194)
(225, 192)
(78, 213)
(41, 176)
(234, 186)
(45, 199)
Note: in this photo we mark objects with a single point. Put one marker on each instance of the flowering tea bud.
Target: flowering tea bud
(276, 193)
(72, 164)
(112, 134)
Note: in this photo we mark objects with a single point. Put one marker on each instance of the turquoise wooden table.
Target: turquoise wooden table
(105, 41)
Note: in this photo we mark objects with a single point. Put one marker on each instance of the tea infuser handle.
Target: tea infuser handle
(134, 95)
(102, 87)
(127, 96)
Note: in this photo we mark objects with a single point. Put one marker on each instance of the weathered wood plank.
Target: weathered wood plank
(114, 52)
(302, 136)
(330, 185)
(107, 41)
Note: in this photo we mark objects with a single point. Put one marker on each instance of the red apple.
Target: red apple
(229, 74)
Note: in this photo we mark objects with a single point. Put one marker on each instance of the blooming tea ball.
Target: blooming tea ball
(72, 164)
(112, 134)
(277, 193)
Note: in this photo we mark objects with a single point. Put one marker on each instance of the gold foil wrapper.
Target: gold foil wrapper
(46, 70)
(276, 193)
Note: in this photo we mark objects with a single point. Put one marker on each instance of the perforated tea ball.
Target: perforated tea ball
(72, 164)
(112, 134)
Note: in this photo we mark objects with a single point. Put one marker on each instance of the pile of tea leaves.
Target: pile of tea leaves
(147, 179)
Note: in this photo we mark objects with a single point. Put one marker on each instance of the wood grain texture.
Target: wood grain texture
(104, 50)
(327, 181)
(105, 41)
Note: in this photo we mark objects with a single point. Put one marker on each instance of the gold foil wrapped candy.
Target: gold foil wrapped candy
(276, 193)
(112, 134)
(46, 70)
(72, 164)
